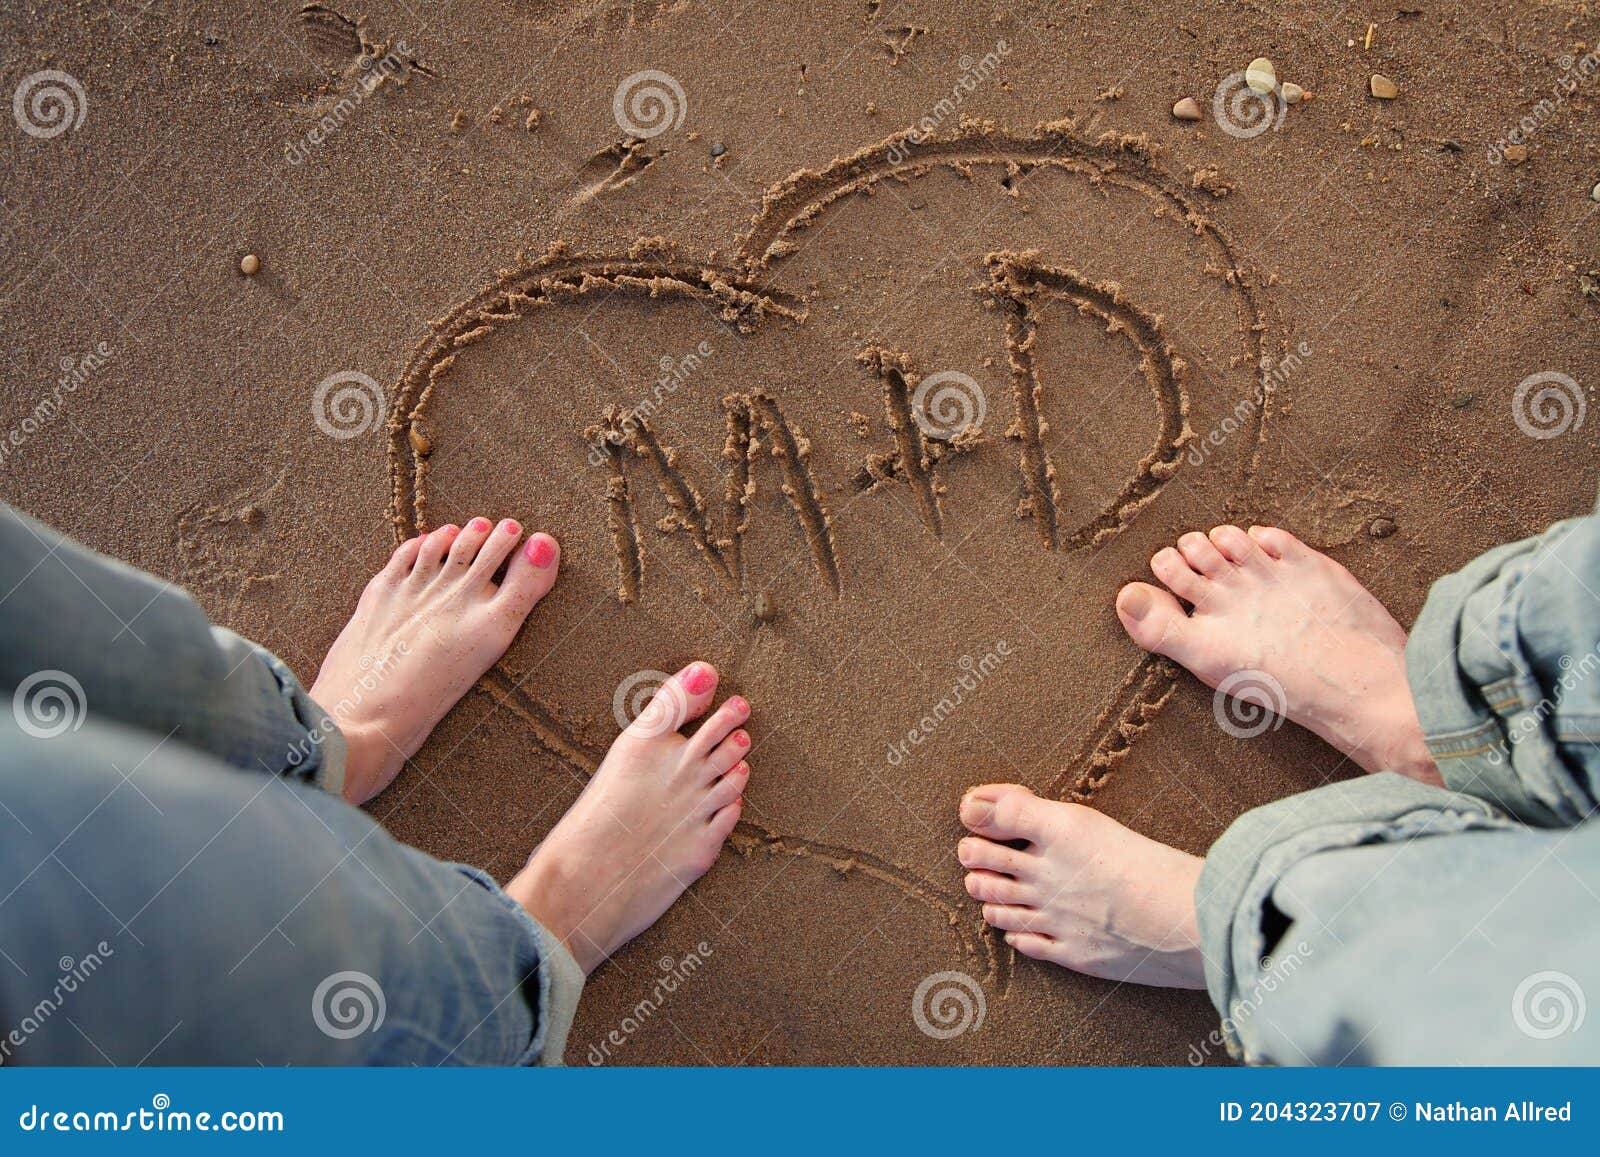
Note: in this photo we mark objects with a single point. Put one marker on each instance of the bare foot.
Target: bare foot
(1265, 603)
(650, 823)
(428, 625)
(1086, 893)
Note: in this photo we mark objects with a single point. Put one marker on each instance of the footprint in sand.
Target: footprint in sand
(935, 421)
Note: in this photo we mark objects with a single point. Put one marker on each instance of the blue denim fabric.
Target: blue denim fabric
(1381, 920)
(174, 886)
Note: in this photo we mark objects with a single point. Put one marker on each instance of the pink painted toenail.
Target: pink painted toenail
(511, 526)
(741, 739)
(699, 680)
(478, 524)
(738, 703)
(541, 552)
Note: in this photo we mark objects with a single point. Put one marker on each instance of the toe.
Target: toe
(1181, 579)
(495, 549)
(724, 820)
(1277, 543)
(403, 559)
(1240, 548)
(531, 572)
(1200, 554)
(434, 545)
(1011, 917)
(990, 856)
(1152, 618)
(1004, 811)
(720, 727)
(467, 544)
(727, 753)
(683, 697)
(728, 789)
(994, 888)
(1034, 944)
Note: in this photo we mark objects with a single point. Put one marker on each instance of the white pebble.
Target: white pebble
(1261, 75)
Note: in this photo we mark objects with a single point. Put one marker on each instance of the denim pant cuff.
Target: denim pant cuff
(1233, 898)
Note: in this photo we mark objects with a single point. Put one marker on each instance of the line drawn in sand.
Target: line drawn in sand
(743, 295)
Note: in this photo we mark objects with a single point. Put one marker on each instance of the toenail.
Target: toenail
(699, 679)
(1135, 602)
(738, 703)
(977, 812)
(741, 738)
(541, 551)
(478, 524)
(511, 526)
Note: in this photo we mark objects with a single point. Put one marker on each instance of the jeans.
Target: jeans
(180, 881)
(1384, 921)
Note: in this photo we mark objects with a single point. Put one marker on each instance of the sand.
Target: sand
(865, 359)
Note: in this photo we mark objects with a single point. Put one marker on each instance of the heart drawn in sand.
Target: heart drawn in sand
(899, 449)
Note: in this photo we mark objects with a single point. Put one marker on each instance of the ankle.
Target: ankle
(544, 889)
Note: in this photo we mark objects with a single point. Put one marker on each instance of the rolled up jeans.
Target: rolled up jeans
(180, 880)
(1383, 921)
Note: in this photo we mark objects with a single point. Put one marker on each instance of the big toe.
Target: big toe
(1152, 618)
(679, 699)
(1004, 811)
(531, 573)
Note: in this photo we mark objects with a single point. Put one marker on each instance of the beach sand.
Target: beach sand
(861, 349)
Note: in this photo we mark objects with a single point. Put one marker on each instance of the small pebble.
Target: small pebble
(1261, 75)
(718, 148)
(1594, 195)
(1293, 93)
(1187, 109)
(1516, 154)
(766, 608)
(250, 265)
(1383, 88)
(420, 443)
(1382, 527)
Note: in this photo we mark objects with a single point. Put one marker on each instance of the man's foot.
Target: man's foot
(650, 823)
(1086, 893)
(428, 625)
(1265, 603)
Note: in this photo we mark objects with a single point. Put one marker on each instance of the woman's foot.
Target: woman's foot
(428, 625)
(650, 823)
(1085, 893)
(1266, 604)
